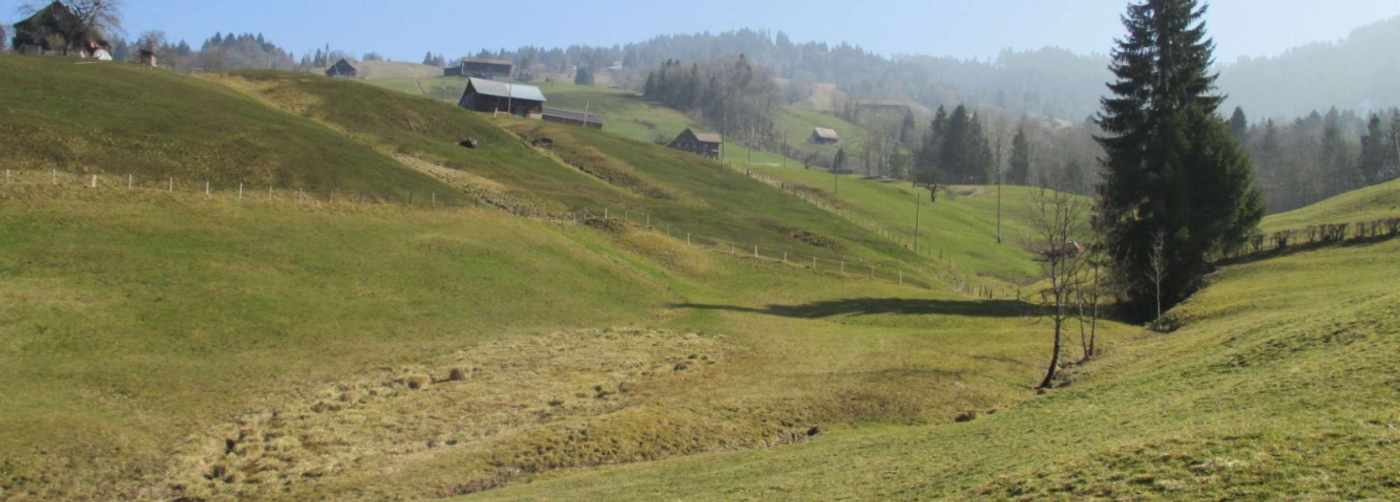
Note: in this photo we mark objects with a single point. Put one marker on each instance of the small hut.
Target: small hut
(148, 58)
(824, 136)
(484, 95)
(343, 69)
(706, 144)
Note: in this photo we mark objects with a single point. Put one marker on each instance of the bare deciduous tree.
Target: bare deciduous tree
(1057, 219)
(101, 15)
(1089, 298)
(1157, 267)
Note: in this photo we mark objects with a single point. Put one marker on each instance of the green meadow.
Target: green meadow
(178, 345)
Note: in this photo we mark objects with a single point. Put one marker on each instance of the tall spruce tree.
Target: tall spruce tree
(1172, 167)
(1375, 151)
(1020, 172)
(931, 153)
(1239, 125)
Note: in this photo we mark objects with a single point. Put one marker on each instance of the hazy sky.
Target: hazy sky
(405, 29)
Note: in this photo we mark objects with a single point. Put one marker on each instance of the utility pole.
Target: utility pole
(1001, 135)
(918, 203)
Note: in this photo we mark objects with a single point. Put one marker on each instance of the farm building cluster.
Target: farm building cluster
(56, 29)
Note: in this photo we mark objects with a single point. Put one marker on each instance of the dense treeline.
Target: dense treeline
(955, 150)
(1321, 155)
(735, 97)
(218, 53)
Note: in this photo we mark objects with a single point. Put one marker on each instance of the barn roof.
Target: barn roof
(504, 90)
(825, 133)
(706, 137)
(590, 118)
(347, 62)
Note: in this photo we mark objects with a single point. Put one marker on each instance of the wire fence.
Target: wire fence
(833, 265)
(1263, 245)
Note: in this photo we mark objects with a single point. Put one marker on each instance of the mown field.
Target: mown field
(1280, 385)
(160, 345)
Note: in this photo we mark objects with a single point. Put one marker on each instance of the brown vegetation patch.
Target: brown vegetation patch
(591, 161)
(491, 403)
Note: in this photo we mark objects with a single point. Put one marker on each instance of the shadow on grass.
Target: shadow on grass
(875, 306)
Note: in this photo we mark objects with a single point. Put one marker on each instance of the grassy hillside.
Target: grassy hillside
(1280, 385)
(164, 345)
(56, 113)
(248, 323)
(161, 345)
(1368, 204)
(584, 169)
(959, 228)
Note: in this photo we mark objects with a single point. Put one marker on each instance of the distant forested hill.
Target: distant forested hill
(1360, 72)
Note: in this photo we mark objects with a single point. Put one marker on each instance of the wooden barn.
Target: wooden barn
(490, 69)
(699, 143)
(824, 136)
(56, 29)
(484, 95)
(343, 69)
(582, 119)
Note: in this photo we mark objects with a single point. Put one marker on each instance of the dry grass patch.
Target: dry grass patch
(500, 397)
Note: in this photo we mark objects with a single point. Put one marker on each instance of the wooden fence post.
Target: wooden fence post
(240, 191)
(206, 188)
(171, 188)
(94, 181)
(130, 180)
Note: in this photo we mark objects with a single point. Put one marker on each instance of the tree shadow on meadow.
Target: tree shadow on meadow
(877, 306)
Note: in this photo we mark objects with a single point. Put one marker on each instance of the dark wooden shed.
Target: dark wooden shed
(699, 143)
(490, 96)
(343, 69)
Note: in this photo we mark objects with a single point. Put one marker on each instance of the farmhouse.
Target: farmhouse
(343, 69)
(824, 136)
(583, 119)
(56, 28)
(699, 143)
(492, 69)
(484, 95)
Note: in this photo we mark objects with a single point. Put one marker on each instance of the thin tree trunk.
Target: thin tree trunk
(1054, 359)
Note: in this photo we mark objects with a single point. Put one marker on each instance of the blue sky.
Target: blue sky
(405, 29)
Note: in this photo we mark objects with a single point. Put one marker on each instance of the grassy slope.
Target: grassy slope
(685, 191)
(1367, 204)
(125, 119)
(1281, 384)
(132, 320)
(961, 229)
